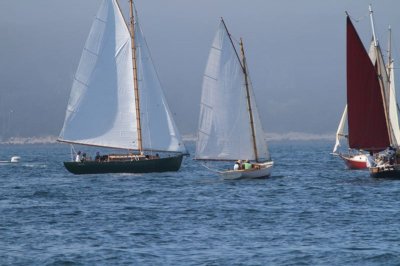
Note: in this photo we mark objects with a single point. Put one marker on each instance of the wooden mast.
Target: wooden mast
(246, 79)
(135, 79)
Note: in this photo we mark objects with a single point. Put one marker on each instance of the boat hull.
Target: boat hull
(388, 172)
(167, 164)
(355, 162)
(264, 171)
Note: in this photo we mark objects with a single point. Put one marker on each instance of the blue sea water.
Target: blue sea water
(312, 211)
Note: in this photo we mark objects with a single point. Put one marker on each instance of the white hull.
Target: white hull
(264, 170)
(14, 159)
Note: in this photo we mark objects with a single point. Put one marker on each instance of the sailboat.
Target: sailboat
(372, 107)
(117, 102)
(229, 126)
(353, 158)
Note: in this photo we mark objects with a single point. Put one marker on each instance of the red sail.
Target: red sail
(366, 116)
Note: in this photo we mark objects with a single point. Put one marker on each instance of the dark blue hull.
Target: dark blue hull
(166, 164)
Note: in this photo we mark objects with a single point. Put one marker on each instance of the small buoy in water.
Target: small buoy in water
(15, 159)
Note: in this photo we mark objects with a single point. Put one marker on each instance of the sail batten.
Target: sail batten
(224, 129)
(102, 105)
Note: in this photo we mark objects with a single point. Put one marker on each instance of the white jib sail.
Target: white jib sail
(340, 133)
(224, 126)
(101, 110)
(159, 131)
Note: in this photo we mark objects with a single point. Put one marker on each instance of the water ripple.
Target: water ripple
(312, 211)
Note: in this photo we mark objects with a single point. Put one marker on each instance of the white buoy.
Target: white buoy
(15, 159)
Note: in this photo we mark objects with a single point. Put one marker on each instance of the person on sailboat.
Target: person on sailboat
(370, 160)
(247, 165)
(83, 159)
(78, 157)
(390, 154)
(237, 165)
(97, 158)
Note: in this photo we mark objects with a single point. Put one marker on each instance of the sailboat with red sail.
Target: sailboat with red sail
(372, 118)
(354, 158)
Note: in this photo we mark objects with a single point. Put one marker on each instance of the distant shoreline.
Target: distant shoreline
(291, 136)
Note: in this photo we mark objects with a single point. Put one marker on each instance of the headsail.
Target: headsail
(159, 131)
(101, 109)
(366, 112)
(224, 128)
(340, 133)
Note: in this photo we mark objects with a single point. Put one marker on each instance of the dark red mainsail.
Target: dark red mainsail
(366, 115)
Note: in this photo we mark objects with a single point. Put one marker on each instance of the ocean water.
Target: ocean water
(312, 211)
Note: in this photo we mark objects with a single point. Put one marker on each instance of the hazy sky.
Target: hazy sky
(295, 52)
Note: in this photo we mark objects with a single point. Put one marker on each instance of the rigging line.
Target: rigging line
(233, 38)
(212, 170)
(233, 45)
(148, 50)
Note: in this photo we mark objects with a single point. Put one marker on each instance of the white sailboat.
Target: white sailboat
(117, 101)
(229, 125)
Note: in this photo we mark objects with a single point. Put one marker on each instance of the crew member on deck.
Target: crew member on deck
(370, 160)
(237, 165)
(97, 158)
(247, 165)
(78, 157)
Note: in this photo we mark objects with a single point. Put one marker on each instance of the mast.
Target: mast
(389, 62)
(380, 78)
(243, 65)
(248, 100)
(371, 15)
(135, 79)
(233, 45)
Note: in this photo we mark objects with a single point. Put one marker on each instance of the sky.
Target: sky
(295, 52)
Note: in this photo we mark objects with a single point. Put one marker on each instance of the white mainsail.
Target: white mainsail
(224, 126)
(393, 108)
(390, 99)
(101, 108)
